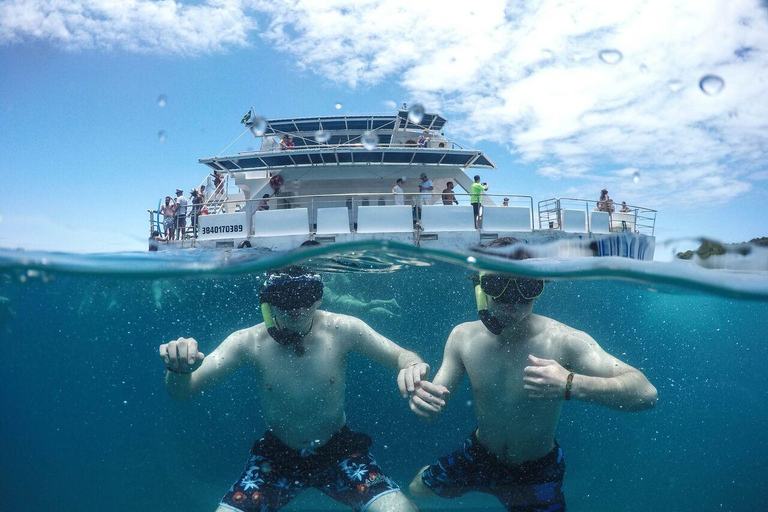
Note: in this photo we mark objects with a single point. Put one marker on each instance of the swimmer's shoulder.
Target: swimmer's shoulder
(467, 333)
(569, 338)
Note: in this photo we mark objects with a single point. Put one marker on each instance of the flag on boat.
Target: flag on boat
(248, 116)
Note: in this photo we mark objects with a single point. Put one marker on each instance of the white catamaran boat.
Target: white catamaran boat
(330, 179)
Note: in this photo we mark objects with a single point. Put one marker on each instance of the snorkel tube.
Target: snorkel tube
(489, 321)
(285, 337)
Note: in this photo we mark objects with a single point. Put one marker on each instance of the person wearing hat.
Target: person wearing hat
(426, 187)
(196, 199)
(181, 214)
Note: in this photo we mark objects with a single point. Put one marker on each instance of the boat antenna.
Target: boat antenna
(405, 107)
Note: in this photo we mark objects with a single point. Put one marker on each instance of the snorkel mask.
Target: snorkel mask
(503, 289)
(289, 292)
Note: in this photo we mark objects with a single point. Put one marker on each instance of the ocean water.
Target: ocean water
(87, 426)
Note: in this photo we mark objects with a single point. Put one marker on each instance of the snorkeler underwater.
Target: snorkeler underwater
(383, 256)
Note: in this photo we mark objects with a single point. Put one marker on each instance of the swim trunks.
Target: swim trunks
(343, 468)
(168, 223)
(533, 486)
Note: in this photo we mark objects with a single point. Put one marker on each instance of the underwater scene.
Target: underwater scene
(87, 423)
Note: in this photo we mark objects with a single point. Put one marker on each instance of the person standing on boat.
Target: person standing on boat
(475, 197)
(298, 358)
(397, 190)
(449, 198)
(168, 209)
(523, 368)
(181, 214)
(196, 198)
(218, 184)
(423, 141)
(426, 186)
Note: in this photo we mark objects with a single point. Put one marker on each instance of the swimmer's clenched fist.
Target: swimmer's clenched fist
(181, 355)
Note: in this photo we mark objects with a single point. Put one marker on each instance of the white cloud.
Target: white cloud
(134, 25)
(528, 75)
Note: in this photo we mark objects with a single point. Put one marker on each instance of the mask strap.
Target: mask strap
(282, 336)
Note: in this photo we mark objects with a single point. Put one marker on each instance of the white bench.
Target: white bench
(623, 221)
(599, 222)
(332, 221)
(384, 219)
(447, 218)
(506, 218)
(294, 221)
(574, 221)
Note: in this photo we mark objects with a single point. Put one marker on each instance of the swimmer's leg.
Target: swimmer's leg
(417, 487)
(392, 502)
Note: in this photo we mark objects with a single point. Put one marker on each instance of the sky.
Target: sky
(662, 102)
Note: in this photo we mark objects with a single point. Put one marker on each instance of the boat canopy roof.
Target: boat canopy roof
(296, 125)
(349, 156)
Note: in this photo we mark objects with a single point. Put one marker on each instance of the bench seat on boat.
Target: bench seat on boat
(599, 222)
(332, 220)
(574, 221)
(447, 218)
(506, 218)
(294, 221)
(384, 219)
(623, 221)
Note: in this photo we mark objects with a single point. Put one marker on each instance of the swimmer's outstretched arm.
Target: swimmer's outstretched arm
(189, 371)
(386, 352)
(430, 398)
(599, 377)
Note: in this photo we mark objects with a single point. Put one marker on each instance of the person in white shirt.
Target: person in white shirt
(427, 186)
(397, 190)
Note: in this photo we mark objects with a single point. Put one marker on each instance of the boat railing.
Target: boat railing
(447, 145)
(573, 214)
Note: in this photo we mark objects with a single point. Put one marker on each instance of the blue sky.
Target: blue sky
(522, 81)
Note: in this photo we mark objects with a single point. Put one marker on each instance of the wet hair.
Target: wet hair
(520, 253)
(477, 177)
(155, 233)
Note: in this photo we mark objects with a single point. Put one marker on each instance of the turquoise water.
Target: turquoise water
(87, 425)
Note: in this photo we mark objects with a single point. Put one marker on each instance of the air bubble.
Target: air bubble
(636, 177)
(675, 85)
(471, 260)
(643, 68)
(162, 136)
(258, 126)
(469, 403)
(416, 113)
(162, 100)
(611, 57)
(322, 136)
(711, 85)
(338, 105)
(370, 140)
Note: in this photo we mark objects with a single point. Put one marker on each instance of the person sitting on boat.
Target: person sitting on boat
(625, 208)
(218, 184)
(505, 202)
(449, 198)
(298, 358)
(423, 141)
(264, 203)
(605, 203)
(154, 241)
(397, 190)
(427, 187)
(523, 368)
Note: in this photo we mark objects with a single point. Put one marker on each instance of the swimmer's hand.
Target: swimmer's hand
(181, 355)
(545, 378)
(428, 399)
(410, 376)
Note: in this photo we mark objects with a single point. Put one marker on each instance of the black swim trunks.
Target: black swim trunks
(343, 468)
(534, 486)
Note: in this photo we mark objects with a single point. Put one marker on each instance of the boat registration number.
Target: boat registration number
(232, 228)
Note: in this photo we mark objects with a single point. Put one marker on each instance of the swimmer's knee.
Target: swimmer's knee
(392, 502)
(417, 487)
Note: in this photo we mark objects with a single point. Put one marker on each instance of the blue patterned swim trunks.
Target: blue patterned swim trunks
(533, 486)
(343, 468)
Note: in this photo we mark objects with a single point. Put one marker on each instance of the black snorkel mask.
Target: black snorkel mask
(288, 293)
(506, 290)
